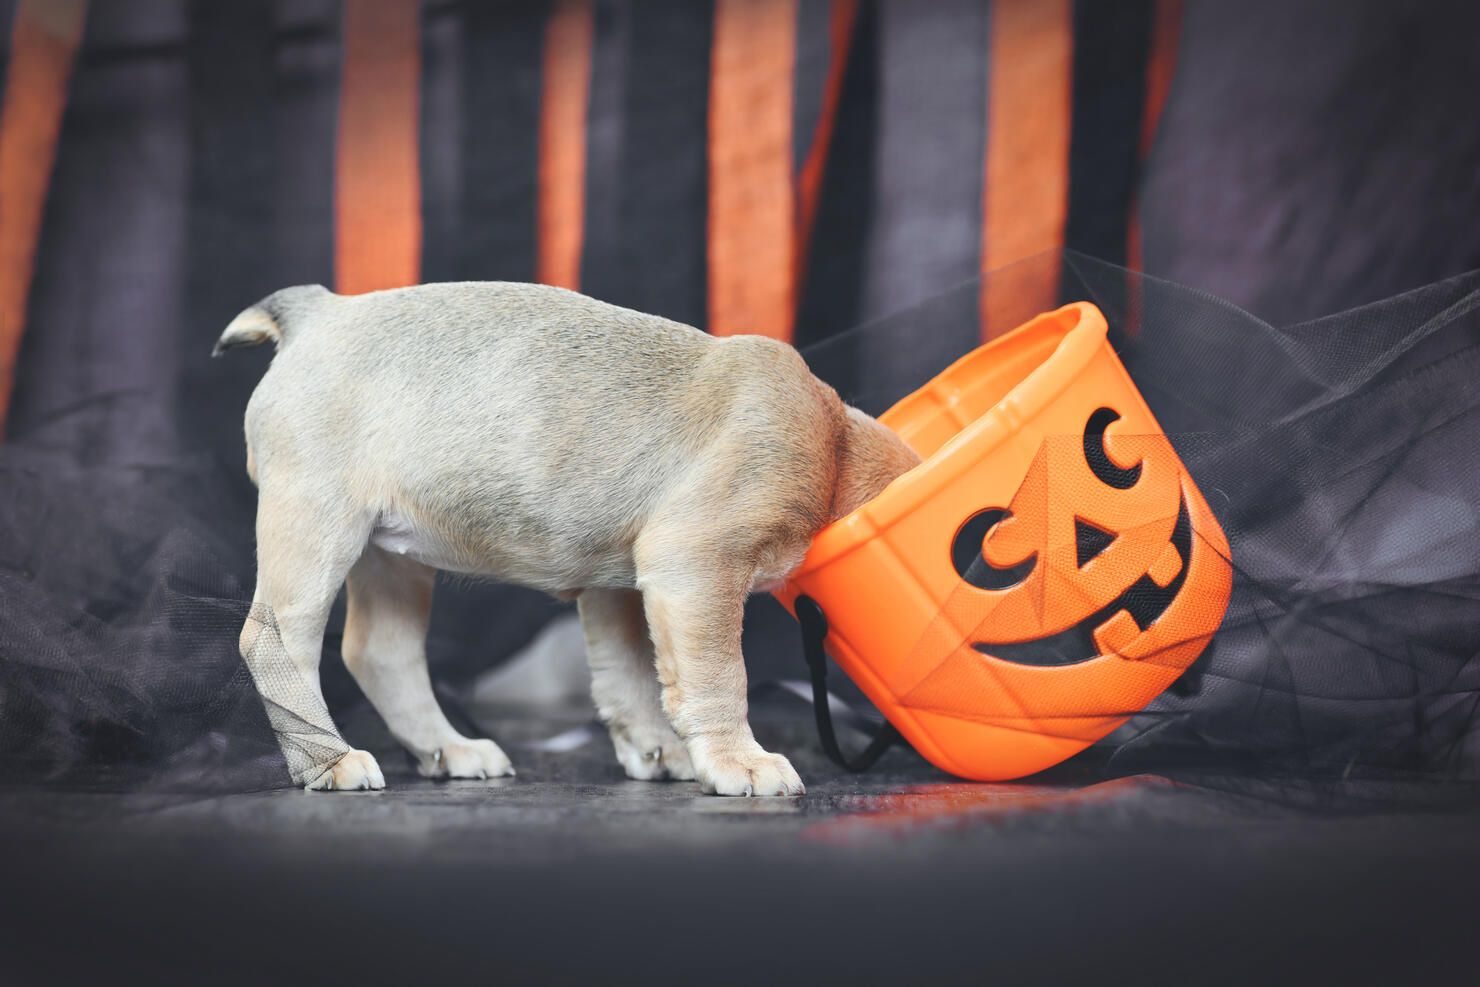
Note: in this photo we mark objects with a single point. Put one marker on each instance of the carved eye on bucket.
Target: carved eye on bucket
(966, 553)
(1098, 461)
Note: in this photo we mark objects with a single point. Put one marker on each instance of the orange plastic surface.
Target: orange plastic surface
(1044, 428)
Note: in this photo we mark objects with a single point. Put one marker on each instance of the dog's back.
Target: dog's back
(520, 427)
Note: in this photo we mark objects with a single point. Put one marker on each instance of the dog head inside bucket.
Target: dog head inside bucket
(1046, 572)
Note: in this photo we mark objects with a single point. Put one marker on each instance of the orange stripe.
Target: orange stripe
(562, 168)
(752, 200)
(1161, 66)
(1026, 199)
(377, 180)
(43, 42)
(842, 16)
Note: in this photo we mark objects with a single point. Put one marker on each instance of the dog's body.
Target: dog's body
(533, 435)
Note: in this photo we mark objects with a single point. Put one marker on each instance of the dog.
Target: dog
(653, 473)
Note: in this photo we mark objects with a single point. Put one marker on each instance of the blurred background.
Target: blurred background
(787, 167)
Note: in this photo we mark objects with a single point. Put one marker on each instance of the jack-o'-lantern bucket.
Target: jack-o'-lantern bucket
(1047, 571)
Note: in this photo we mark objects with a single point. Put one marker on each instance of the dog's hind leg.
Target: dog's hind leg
(305, 545)
(624, 685)
(390, 605)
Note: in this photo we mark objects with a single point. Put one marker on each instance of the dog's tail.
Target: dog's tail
(271, 318)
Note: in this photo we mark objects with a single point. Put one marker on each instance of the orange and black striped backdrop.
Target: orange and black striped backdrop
(786, 167)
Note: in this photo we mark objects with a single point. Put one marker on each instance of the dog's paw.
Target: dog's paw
(355, 771)
(747, 769)
(466, 759)
(653, 756)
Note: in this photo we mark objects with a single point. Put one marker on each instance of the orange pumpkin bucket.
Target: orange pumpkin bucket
(1047, 571)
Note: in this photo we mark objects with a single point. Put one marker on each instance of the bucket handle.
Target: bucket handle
(813, 623)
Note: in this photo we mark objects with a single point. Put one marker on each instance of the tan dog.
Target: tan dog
(654, 473)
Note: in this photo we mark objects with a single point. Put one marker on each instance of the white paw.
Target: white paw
(464, 758)
(355, 771)
(745, 768)
(652, 755)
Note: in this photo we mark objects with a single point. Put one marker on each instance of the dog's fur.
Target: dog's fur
(654, 473)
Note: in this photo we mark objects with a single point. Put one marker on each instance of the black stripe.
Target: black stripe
(601, 245)
(7, 28)
(231, 260)
(814, 58)
(647, 188)
(440, 141)
(305, 115)
(1112, 42)
(104, 313)
(503, 45)
(932, 134)
(832, 291)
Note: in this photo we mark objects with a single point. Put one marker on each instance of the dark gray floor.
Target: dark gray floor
(572, 873)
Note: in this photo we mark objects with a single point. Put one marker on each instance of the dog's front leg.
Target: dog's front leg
(695, 624)
(305, 545)
(624, 685)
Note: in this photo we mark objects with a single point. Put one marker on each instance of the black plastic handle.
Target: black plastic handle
(814, 632)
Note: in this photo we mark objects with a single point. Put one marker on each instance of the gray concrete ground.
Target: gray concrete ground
(571, 873)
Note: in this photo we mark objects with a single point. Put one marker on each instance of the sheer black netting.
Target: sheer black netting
(1341, 456)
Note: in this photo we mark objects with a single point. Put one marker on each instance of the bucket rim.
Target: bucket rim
(1080, 343)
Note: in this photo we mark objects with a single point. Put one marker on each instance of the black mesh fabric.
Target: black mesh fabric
(1341, 457)
(123, 601)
